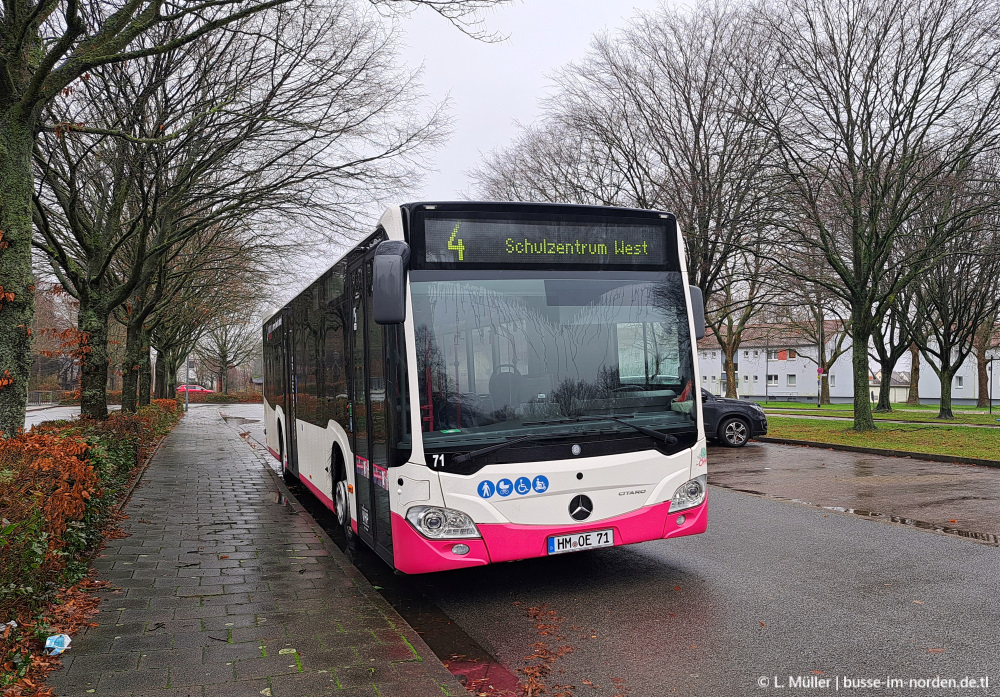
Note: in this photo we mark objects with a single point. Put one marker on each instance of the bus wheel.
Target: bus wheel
(341, 498)
(341, 504)
(285, 476)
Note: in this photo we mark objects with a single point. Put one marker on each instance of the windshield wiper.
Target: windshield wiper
(665, 437)
(496, 446)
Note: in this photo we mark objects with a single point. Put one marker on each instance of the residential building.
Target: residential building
(778, 362)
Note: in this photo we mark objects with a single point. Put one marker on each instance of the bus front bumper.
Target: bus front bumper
(415, 554)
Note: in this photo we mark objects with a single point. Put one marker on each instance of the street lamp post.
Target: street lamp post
(990, 361)
(767, 366)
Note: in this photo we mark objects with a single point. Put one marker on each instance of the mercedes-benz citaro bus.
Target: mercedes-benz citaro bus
(485, 382)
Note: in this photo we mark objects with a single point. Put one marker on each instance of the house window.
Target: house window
(704, 378)
(772, 380)
(756, 354)
(746, 354)
(746, 379)
(772, 354)
(755, 378)
(790, 380)
(713, 355)
(792, 354)
(833, 381)
(959, 382)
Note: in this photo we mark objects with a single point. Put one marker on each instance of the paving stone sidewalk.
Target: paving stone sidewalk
(226, 589)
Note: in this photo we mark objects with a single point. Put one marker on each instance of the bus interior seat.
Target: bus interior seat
(505, 386)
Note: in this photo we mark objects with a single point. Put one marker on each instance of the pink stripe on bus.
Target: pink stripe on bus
(415, 554)
(507, 542)
(326, 500)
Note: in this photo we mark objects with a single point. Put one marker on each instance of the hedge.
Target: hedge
(60, 484)
(219, 398)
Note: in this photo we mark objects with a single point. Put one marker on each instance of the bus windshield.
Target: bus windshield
(509, 353)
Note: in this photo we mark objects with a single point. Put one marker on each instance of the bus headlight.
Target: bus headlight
(440, 523)
(689, 494)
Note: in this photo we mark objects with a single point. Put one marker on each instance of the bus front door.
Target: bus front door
(290, 455)
(369, 430)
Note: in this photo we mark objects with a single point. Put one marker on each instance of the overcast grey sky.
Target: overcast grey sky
(492, 86)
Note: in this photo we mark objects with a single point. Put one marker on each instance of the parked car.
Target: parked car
(193, 389)
(732, 421)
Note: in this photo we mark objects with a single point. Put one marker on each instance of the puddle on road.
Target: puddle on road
(984, 537)
(238, 420)
(280, 499)
(987, 538)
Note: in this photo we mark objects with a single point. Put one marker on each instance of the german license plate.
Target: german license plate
(560, 544)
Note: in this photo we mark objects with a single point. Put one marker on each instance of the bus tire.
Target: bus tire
(285, 475)
(341, 496)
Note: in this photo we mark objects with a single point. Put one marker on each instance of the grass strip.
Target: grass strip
(915, 417)
(848, 406)
(956, 441)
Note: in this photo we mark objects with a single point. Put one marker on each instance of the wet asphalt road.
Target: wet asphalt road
(773, 588)
(964, 499)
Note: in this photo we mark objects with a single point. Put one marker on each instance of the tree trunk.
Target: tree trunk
(863, 419)
(131, 365)
(144, 372)
(824, 383)
(160, 376)
(885, 389)
(913, 397)
(947, 375)
(171, 364)
(17, 299)
(981, 344)
(729, 352)
(92, 322)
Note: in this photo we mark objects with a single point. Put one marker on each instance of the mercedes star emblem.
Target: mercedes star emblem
(580, 507)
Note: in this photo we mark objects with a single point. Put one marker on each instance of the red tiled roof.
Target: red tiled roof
(776, 335)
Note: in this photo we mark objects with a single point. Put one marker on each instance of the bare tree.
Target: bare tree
(818, 315)
(986, 340)
(878, 102)
(654, 117)
(890, 340)
(287, 119)
(228, 344)
(953, 299)
(47, 46)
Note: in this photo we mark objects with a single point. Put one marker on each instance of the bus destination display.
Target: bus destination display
(491, 241)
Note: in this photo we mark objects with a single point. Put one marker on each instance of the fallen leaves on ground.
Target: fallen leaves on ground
(69, 613)
(547, 623)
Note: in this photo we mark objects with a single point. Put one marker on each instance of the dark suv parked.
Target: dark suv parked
(732, 421)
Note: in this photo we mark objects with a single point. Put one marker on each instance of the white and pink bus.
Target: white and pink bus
(485, 382)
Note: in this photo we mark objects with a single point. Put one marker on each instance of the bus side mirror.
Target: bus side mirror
(697, 312)
(389, 283)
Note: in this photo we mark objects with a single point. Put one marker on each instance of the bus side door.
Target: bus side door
(369, 431)
(290, 384)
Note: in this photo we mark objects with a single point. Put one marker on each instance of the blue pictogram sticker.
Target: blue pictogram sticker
(486, 489)
(505, 487)
(540, 484)
(522, 485)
